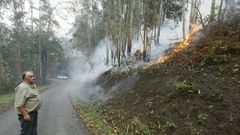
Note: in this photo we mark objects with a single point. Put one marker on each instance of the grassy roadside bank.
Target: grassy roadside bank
(90, 115)
(6, 100)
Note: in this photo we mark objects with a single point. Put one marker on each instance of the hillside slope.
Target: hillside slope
(195, 90)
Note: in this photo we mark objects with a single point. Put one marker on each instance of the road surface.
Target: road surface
(56, 116)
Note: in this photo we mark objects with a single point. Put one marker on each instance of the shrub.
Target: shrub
(184, 87)
(170, 125)
(201, 119)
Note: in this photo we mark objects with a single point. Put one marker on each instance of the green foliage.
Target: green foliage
(89, 27)
(208, 59)
(6, 99)
(130, 70)
(216, 94)
(156, 69)
(91, 115)
(135, 126)
(184, 87)
(6, 86)
(173, 9)
(201, 119)
(28, 47)
(170, 125)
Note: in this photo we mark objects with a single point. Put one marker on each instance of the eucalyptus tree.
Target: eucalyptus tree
(212, 15)
(184, 3)
(220, 12)
(122, 21)
(82, 34)
(18, 22)
(88, 27)
(29, 43)
(160, 19)
(45, 33)
(5, 38)
(193, 13)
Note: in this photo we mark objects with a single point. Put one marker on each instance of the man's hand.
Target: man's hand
(27, 117)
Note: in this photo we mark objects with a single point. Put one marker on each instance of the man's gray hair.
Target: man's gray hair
(24, 74)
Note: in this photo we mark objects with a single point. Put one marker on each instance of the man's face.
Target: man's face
(30, 78)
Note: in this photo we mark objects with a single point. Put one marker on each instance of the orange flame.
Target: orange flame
(182, 45)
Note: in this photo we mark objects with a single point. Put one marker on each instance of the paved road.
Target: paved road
(56, 117)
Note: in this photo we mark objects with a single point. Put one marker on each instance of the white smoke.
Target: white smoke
(85, 71)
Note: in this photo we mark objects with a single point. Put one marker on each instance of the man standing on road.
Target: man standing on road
(27, 103)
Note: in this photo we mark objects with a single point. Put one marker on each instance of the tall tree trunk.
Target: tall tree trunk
(184, 19)
(129, 28)
(193, 12)
(43, 51)
(44, 64)
(17, 24)
(31, 10)
(129, 42)
(220, 12)
(223, 12)
(119, 35)
(160, 19)
(155, 33)
(119, 53)
(107, 55)
(94, 43)
(40, 58)
(89, 41)
(1, 64)
(212, 11)
(112, 54)
(145, 32)
(40, 47)
(19, 61)
(124, 47)
(193, 15)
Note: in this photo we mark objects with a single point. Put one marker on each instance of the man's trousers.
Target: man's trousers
(29, 127)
